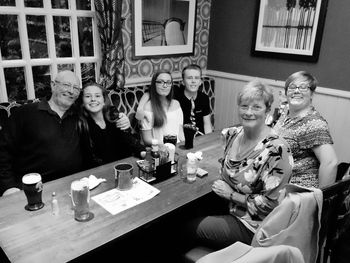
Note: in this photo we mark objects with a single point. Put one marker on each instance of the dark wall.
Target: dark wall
(232, 25)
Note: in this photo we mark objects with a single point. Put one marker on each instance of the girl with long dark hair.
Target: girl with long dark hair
(163, 113)
(104, 132)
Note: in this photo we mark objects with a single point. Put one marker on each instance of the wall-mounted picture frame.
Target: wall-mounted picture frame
(163, 28)
(289, 29)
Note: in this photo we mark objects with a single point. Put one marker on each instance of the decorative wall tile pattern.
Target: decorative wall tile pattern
(146, 67)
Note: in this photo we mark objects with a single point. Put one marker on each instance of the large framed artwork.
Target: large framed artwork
(163, 28)
(289, 29)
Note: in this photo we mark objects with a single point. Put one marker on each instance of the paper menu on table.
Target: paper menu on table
(116, 201)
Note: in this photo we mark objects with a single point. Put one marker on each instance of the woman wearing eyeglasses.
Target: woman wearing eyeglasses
(307, 132)
(163, 113)
(257, 164)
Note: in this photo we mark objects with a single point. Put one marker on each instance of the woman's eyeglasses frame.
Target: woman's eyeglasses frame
(164, 83)
(302, 88)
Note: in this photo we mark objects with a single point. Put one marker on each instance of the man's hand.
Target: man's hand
(123, 122)
(11, 191)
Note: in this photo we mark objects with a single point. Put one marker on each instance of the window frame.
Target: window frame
(52, 61)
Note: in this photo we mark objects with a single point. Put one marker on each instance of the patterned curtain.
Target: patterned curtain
(109, 22)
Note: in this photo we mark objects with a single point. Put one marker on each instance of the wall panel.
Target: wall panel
(332, 104)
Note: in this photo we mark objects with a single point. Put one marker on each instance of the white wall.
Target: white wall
(334, 105)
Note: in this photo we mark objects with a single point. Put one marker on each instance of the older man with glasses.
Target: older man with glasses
(43, 137)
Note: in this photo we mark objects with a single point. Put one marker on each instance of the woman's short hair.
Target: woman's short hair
(256, 90)
(304, 76)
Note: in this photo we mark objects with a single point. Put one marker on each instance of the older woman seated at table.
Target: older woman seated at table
(257, 164)
(106, 138)
(307, 133)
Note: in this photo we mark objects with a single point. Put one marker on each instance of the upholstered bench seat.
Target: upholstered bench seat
(126, 100)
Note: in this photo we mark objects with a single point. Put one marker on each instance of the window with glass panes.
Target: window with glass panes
(39, 38)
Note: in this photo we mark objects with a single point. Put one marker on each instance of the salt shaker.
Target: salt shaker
(54, 204)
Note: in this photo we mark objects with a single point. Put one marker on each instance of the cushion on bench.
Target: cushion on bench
(126, 100)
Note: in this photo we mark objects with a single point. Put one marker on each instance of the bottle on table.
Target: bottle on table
(155, 154)
(54, 204)
(148, 160)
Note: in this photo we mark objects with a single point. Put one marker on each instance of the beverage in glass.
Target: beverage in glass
(189, 133)
(191, 170)
(80, 195)
(170, 138)
(123, 174)
(33, 189)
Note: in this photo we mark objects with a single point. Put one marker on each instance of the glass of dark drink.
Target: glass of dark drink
(170, 138)
(112, 114)
(123, 175)
(33, 189)
(189, 133)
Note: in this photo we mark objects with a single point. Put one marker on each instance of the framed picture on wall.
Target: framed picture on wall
(289, 29)
(163, 28)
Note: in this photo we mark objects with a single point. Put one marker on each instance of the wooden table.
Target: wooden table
(42, 237)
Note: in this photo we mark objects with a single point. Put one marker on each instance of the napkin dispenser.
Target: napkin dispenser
(161, 173)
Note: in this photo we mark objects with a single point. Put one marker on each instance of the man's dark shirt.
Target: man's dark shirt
(37, 140)
(202, 107)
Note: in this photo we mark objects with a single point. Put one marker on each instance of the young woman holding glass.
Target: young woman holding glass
(163, 113)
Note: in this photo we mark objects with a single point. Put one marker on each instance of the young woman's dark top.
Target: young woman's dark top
(111, 144)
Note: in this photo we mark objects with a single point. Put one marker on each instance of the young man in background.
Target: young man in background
(194, 103)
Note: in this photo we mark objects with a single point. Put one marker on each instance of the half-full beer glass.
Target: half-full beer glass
(33, 189)
(80, 195)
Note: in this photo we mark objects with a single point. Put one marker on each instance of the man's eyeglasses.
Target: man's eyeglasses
(301, 87)
(164, 83)
(69, 87)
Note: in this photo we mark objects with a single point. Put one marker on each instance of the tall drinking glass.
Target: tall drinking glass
(170, 138)
(80, 195)
(123, 175)
(33, 189)
(189, 137)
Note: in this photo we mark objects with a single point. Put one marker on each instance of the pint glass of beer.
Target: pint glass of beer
(33, 189)
(80, 195)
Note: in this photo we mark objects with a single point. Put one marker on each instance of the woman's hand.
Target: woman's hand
(221, 188)
(123, 122)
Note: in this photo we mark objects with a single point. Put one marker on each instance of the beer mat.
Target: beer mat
(94, 181)
(201, 172)
(116, 201)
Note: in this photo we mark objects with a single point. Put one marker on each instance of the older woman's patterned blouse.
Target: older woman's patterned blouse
(303, 133)
(259, 175)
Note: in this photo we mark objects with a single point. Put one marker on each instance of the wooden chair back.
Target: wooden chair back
(333, 197)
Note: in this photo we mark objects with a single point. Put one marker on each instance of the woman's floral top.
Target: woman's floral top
(303, 133)
(260, 175)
